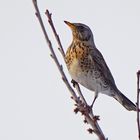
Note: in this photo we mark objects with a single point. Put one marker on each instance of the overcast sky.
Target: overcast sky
(34, 102)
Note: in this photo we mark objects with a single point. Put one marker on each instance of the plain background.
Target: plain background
(34, 102)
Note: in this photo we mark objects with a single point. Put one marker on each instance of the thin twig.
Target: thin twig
(49, 16)
(55, 33)
(60, 47)
(52, 51)
(80, 93)
(92, 121)
(138, 94)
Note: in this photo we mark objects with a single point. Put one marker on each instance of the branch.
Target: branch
(81, 105)
(138, 94)
(55, 33)
(62, 51)
(52, 51)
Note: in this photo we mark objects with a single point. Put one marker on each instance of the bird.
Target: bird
(87, 66)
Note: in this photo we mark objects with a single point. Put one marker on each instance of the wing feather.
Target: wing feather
(101, 65)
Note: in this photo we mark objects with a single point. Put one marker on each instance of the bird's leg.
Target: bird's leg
(89, 108)
(95, 97)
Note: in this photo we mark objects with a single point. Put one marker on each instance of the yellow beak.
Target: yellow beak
(71, 25)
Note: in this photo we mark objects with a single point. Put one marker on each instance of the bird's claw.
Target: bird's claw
(73, 82)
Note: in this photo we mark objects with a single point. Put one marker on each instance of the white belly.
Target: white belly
(87, 79)
(84, 78)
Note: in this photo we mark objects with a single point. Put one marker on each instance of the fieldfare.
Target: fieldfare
(87, 66)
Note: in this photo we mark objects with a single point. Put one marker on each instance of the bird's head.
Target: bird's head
(80, 31)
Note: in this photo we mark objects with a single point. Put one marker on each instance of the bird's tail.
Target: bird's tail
(122, 99)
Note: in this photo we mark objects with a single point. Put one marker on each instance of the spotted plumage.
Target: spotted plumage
(87, 66)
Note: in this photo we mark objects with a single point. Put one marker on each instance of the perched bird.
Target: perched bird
(87, 66)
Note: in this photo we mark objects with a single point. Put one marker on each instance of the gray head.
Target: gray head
(80, 31)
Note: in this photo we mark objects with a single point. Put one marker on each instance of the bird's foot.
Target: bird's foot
(73, 82)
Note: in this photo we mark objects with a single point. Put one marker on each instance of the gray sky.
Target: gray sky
(34, 102)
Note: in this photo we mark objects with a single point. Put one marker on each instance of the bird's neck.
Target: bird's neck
(87, 43)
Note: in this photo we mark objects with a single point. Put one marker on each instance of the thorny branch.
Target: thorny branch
(81, 104)
(138, 94)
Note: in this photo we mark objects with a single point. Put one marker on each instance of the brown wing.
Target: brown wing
(102, 66)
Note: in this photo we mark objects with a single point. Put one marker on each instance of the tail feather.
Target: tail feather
(122, 99)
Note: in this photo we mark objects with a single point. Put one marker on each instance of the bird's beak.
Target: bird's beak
(71, 25)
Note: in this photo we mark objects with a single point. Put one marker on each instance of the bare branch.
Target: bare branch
(138, 110)
(80, 93)
(49, 16)
(89, 116)
(52, 51)
(55, 33)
